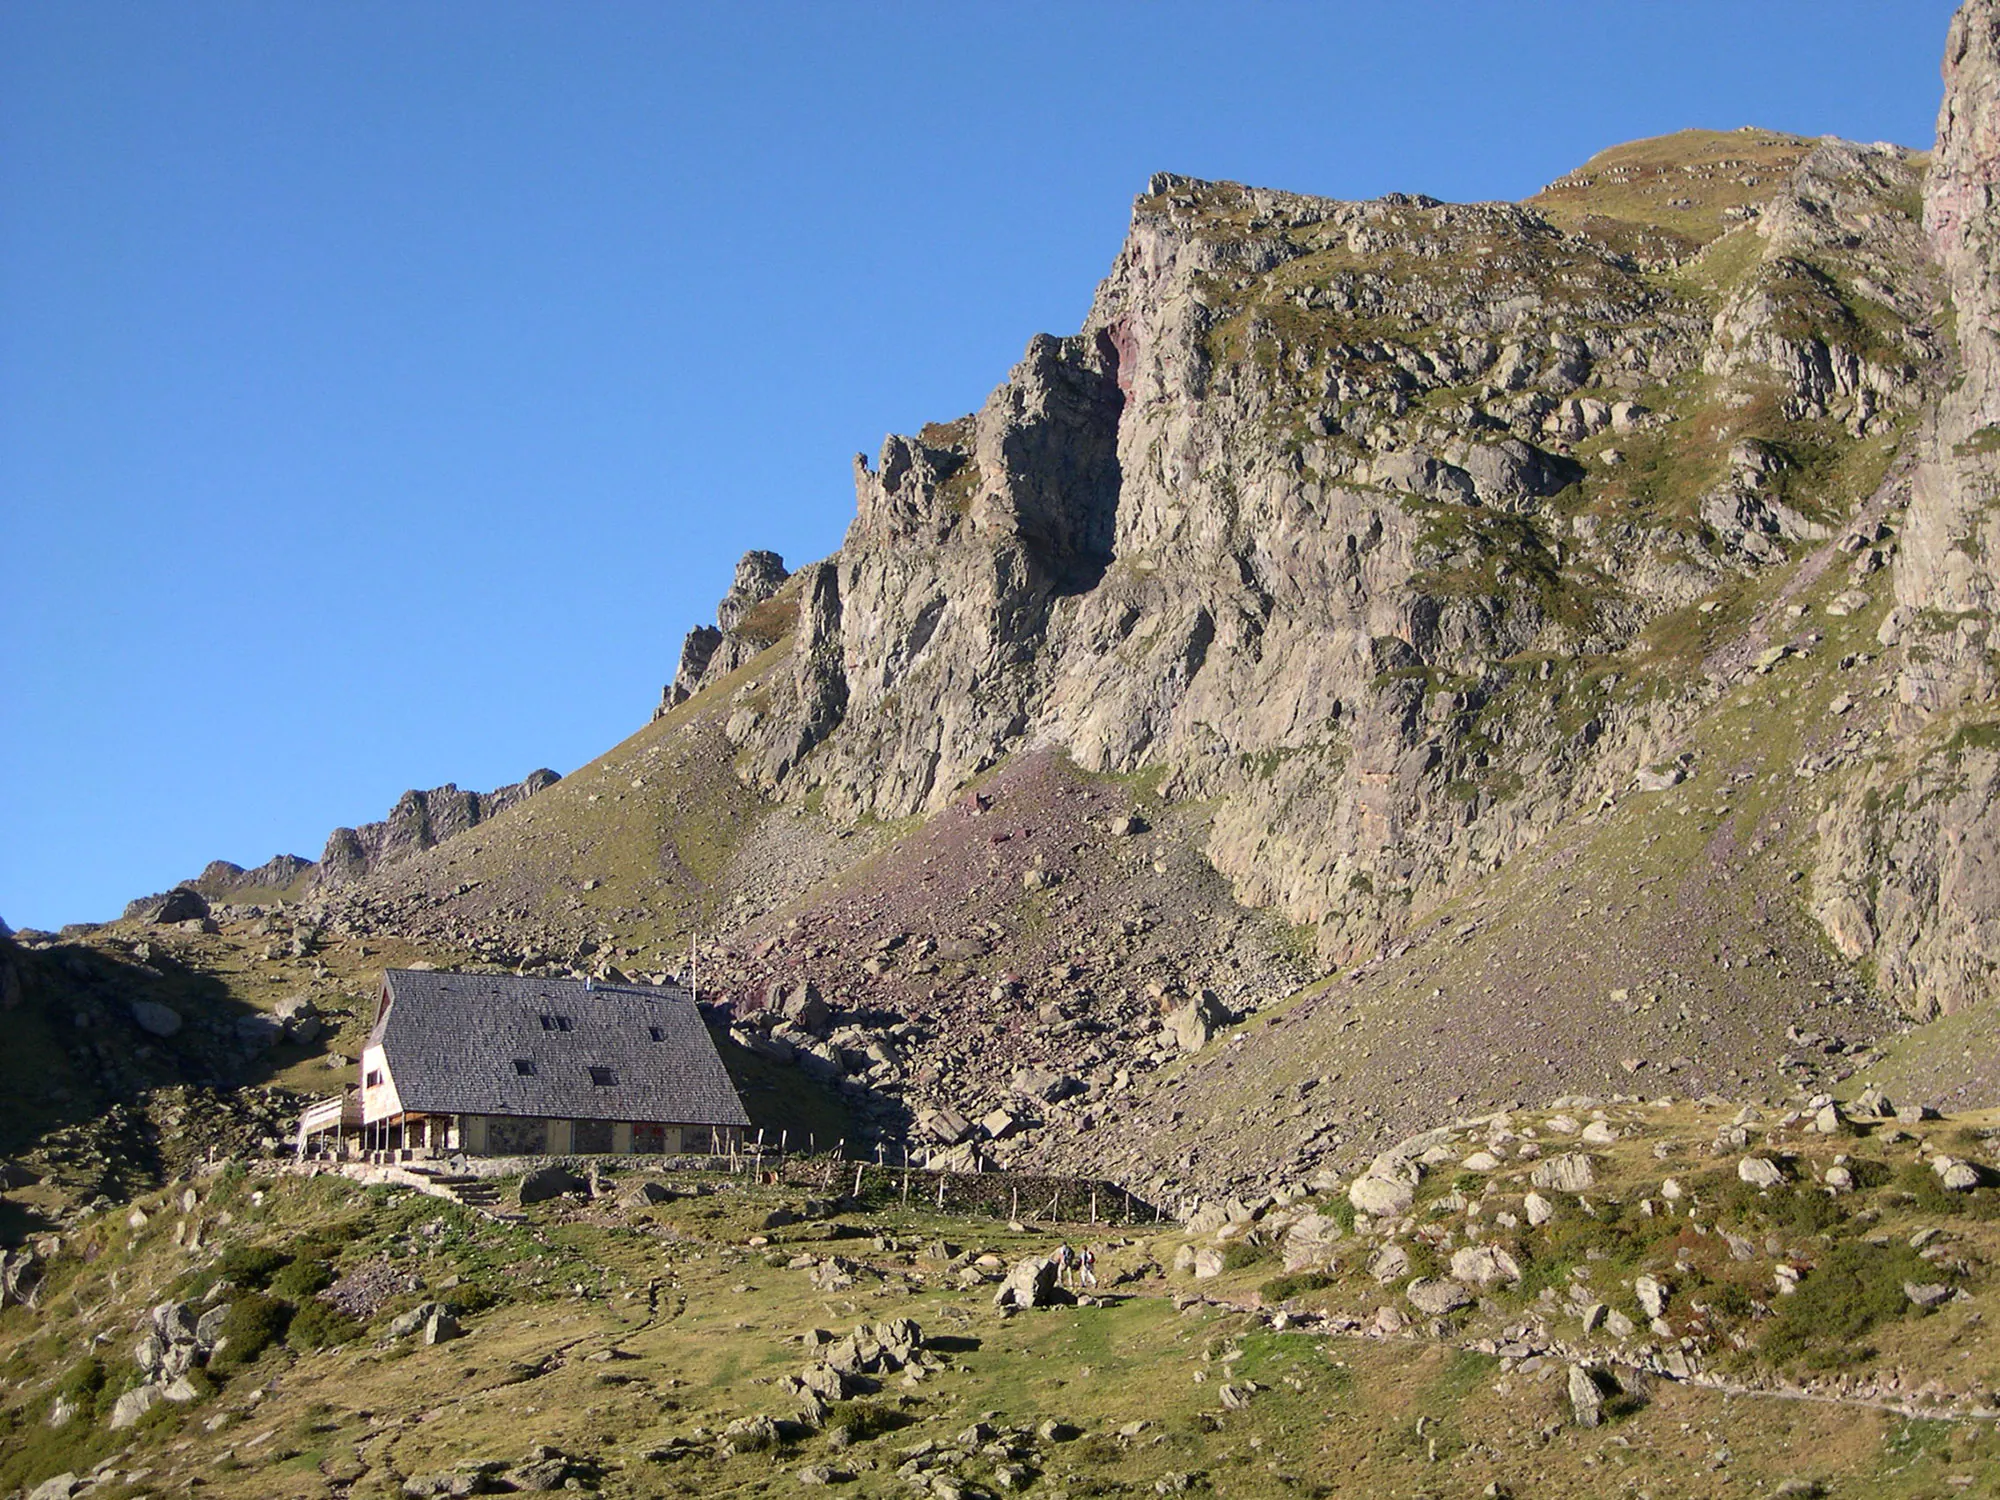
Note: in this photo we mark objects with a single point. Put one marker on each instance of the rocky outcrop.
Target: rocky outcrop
(711, 652)
(1316, 512)
(418, 821)
(223, 881)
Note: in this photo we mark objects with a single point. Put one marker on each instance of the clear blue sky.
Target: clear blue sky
(385, 388)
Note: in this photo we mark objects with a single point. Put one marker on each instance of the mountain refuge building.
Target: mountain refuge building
(513, 1065)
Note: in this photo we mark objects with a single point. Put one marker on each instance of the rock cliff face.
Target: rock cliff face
(1354, 520)
(1909, 876)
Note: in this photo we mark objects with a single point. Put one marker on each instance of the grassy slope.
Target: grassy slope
(1671, 191)
(630, 1338)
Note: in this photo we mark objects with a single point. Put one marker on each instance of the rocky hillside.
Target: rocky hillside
(1395, 658)
(1389, 530)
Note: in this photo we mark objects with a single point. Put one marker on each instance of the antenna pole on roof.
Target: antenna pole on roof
(694, 985)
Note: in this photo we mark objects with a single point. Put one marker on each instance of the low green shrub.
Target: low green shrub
(321, 1325)
(1294, 1284)
(1852, 1291)
(253, 1324)
(301, 1279)
(251, 1266)
(858, 1421)
(1242, 1254)
(1933, 1197)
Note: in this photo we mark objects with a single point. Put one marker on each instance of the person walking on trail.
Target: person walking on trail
(1065, 1258)
(1087, 1268)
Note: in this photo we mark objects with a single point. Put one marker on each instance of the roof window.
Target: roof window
(555, 1023)
(658, 1033)
(525, 1066)
(603, 1077)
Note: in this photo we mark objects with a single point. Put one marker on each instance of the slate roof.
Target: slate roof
(452, 1042)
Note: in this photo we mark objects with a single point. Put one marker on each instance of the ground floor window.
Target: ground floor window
(649, 1140)
(590, 1137)
(510, 1135)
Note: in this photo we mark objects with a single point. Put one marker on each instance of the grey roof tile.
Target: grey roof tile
(452, 1041)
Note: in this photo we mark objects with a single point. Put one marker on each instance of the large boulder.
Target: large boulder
(1032, 1283)
(1309, 1242)
(1586, 1397)
(1482, 1265)
(945, 1125)
(133, 1405)
(646, 1195)
(1955, 1176)
(804, 1008)
(1569, 1173)
(1195, 1023)
(300, 1018)
(155, 1019)
(1046, 1085)
(1435, 1297)
(259, 1031)
(1382, 1196)
(1760, 1172)
(549, 1182)
(178, 905)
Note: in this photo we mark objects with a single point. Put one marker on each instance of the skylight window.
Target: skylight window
(525, 1066)
(555, 1023)
(603, 1077)
(658, 1033)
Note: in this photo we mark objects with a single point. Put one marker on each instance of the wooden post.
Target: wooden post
(782, 1136)
(1014, 1213)
(906, 1184)
(859, 1168)
(942, 1178)
(1093, 1205)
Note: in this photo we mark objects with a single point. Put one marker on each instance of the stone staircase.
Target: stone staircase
(479, 1193)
